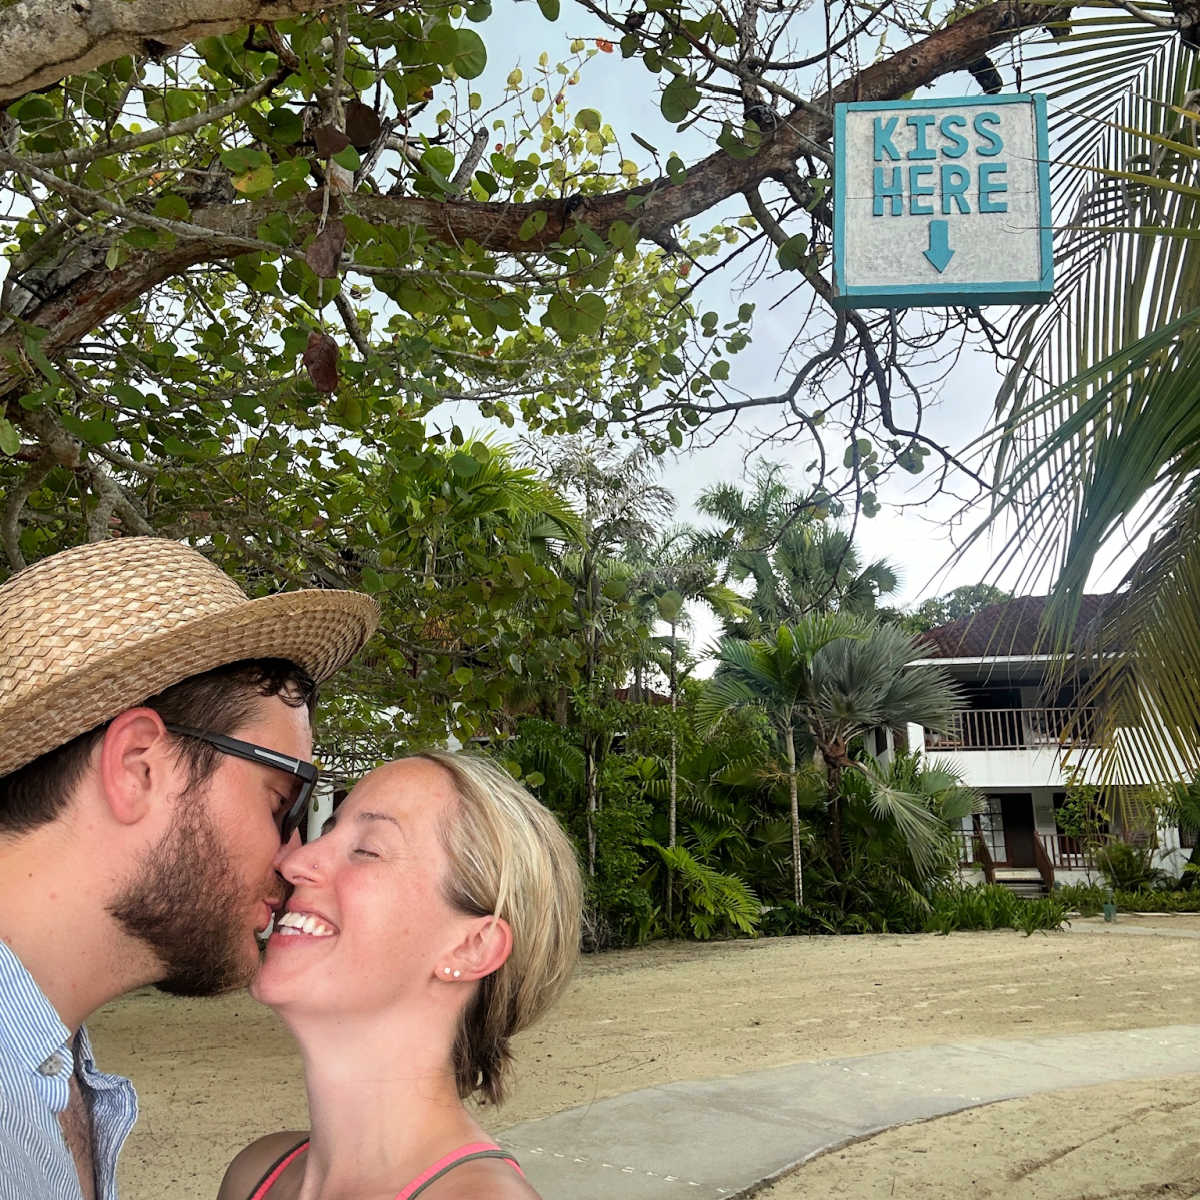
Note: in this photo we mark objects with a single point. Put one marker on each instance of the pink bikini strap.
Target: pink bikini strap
(463, 1154)
(268, 1180)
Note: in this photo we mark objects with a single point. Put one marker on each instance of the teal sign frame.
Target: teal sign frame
(974, 222)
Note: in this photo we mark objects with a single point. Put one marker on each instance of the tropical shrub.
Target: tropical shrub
(713, 902)
(1087, 899)
(1128, 868)
(1157, 901)
(990, 906)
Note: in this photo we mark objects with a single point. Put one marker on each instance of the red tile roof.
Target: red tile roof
(1009, 628)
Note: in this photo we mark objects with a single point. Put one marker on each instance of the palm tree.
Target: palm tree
(617, 505)
(675, 569)
(832, 680)
(865, 684)
(797, 561)
(1098, 422)
(776, 675)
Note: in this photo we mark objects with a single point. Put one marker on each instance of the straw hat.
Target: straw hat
(92, 631)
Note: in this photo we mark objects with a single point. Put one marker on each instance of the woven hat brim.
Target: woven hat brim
(319, 630)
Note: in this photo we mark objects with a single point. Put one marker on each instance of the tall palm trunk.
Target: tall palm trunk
(674, 781)
(833, 785)
(794, 797)
(593, 795)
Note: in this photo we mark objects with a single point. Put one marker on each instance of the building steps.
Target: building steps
(1021, 881)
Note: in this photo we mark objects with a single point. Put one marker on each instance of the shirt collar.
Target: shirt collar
(32, 1030)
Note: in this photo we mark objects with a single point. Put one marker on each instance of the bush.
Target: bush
(990, 906)
(1157, 902)
(1128, 868)
(1085, 898)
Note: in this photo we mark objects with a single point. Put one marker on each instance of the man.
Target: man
(154, 747)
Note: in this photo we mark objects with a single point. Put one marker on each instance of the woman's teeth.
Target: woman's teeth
(291, 924)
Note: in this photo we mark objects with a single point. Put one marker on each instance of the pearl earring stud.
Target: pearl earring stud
(445, 970)
(457, 974)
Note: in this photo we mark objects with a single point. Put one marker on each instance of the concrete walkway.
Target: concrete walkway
(720, 1137)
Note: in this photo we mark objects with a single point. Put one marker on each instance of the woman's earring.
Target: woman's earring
(445, 970)
(457, 974)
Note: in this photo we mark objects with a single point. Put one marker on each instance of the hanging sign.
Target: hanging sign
(941, 201)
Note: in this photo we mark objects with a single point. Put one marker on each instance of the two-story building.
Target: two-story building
(1021, 747)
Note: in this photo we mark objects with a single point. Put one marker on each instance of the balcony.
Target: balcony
(1016, 729)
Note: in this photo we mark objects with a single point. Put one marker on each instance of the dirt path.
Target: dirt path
(214, 1074)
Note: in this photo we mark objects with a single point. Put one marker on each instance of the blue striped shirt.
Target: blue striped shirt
(37, 1059)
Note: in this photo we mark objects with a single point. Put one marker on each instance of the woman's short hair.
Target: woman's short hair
(509, 857)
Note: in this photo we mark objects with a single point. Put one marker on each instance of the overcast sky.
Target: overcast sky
(917, 538)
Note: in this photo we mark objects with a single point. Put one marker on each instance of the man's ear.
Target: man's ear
(485, 949)
(137, 764)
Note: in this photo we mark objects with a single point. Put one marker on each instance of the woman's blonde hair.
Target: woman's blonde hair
(509, 857)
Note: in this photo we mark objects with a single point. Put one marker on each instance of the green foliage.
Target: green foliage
(1085, 898)
(962, 602)
(713, 901)
(1157, 901)
(1082, 814)
(1128, 868)
(991, 906)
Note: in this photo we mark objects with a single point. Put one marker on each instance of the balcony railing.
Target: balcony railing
(1016, 729)
(1061, 850)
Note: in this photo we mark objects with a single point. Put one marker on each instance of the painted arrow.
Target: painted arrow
(939, 252)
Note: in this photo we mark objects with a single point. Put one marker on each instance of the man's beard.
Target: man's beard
(188, 906)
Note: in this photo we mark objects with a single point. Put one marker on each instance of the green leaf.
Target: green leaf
(470, 55)
(679, 97)
(348, 158)
(256, 180)
(793, 254)
(575, 316)
(589, 119)
(172, 208)
(549, 9)
(670, 605)
(466, 466)
(285, 125)
(463, 676)
(10, 440)
(39, 359)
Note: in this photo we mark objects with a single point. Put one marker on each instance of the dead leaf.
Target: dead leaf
(320, 361)
(329, 140)
(325, 251)
(315, 202)
(362, 125)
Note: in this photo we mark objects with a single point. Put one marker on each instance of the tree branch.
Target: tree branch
(89, 292)
(79, 35)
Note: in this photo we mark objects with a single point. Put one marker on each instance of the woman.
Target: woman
(436, 915)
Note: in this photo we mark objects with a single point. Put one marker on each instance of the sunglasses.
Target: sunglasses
(304, 773)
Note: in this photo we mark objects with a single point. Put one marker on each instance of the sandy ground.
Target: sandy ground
(214, 1074)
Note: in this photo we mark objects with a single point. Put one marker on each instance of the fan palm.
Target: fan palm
(776, 675)
(832, 680)
(870, 683)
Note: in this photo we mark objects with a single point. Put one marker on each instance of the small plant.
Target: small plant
(1128, 868)
(1044, 915)
(1087, 899)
